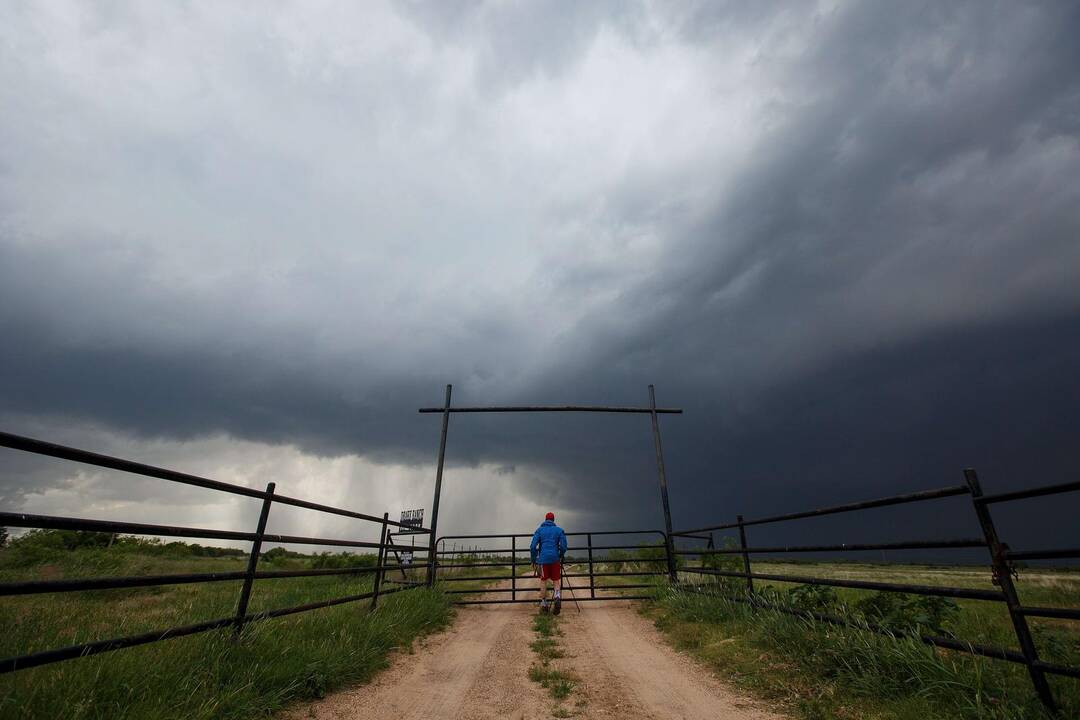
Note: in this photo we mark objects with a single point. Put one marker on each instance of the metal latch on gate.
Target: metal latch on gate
(1002, 566)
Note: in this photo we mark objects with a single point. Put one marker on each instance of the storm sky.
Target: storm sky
(250, 241)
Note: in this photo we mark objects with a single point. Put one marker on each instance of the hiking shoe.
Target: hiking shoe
(558, 606)
(544, 608)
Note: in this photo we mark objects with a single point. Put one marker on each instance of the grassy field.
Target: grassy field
(211, 675)
(810, 669)
(816, 671)
(822, 671)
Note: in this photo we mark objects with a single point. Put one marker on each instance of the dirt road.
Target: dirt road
(478, 669)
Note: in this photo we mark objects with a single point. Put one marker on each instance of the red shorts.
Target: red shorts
(551, 571)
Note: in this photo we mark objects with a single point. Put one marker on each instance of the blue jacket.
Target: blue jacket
(548, 543)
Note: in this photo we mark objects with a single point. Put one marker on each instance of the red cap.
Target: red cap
(550, 516)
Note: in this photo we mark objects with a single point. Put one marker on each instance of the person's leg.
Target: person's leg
(543, 590)
(556, 574)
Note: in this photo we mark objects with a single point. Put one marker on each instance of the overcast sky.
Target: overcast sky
(250, 241)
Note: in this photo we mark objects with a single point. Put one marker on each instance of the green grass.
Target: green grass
(817, 670)
(210, 675)
(558, 682)
(546, 649)
(545, 625)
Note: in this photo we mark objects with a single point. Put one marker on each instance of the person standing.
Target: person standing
(546, 551)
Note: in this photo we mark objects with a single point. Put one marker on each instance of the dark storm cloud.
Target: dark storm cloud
(845, 239)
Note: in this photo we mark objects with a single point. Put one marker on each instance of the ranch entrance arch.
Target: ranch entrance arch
(652, 410)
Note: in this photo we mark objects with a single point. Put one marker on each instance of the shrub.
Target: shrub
(726, 561)
(338, 561)
(817, 598)
(614, 557)
(652, 557)
(906, 612)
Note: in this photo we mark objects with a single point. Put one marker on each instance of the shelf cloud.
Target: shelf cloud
(844, 237)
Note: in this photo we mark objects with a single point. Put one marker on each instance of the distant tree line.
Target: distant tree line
(44, 546)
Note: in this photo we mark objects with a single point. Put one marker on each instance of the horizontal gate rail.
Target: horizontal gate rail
(580, 599)
(1041, 491)
(916, 545)
(247, 577)
(93, 648)
(526, 563)
(599, 587)
(33, 587)
(507, 551)
(1062, 554)
(939, 590)
(849, 507)
(1051, 612)
(507, 536)
(553, 408)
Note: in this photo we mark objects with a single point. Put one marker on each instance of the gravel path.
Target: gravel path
(478, 669)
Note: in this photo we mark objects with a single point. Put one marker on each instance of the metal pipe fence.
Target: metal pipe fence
(594, 561)
(248, 576)
(1002, 568)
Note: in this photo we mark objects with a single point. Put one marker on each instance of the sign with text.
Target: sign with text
(412, 518)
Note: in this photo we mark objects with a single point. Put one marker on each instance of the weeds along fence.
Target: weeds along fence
(600, 556)
(1002, 564)
(257, 537)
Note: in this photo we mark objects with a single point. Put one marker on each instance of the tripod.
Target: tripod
(564, 584)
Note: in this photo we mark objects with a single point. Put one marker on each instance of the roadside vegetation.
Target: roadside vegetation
(819, 670)
(210, 675)
(816, 670)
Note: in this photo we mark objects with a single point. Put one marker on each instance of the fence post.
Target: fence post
(253, 559)
(663, 486)
(513, 567)
(438, 487)
(1003, 579)
(381, 561)
(745, 555)
(592, 583)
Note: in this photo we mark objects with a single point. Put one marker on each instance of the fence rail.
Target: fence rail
(1001, 565)
(248, 576)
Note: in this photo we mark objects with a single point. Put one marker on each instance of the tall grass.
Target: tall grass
(215, 675)
(824, 671)
(211, 675)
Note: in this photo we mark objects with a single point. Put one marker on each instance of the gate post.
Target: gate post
(592, 582)
(253, 559)
(438, 487)
(1003, 579)
(745, 555)
(513, 567)
(380, 562)
(663, 485)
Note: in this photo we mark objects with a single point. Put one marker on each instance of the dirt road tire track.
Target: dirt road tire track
(478, 670)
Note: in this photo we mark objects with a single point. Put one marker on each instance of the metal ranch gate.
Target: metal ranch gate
(581, 579)
(592, 558)
(1002, 558)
